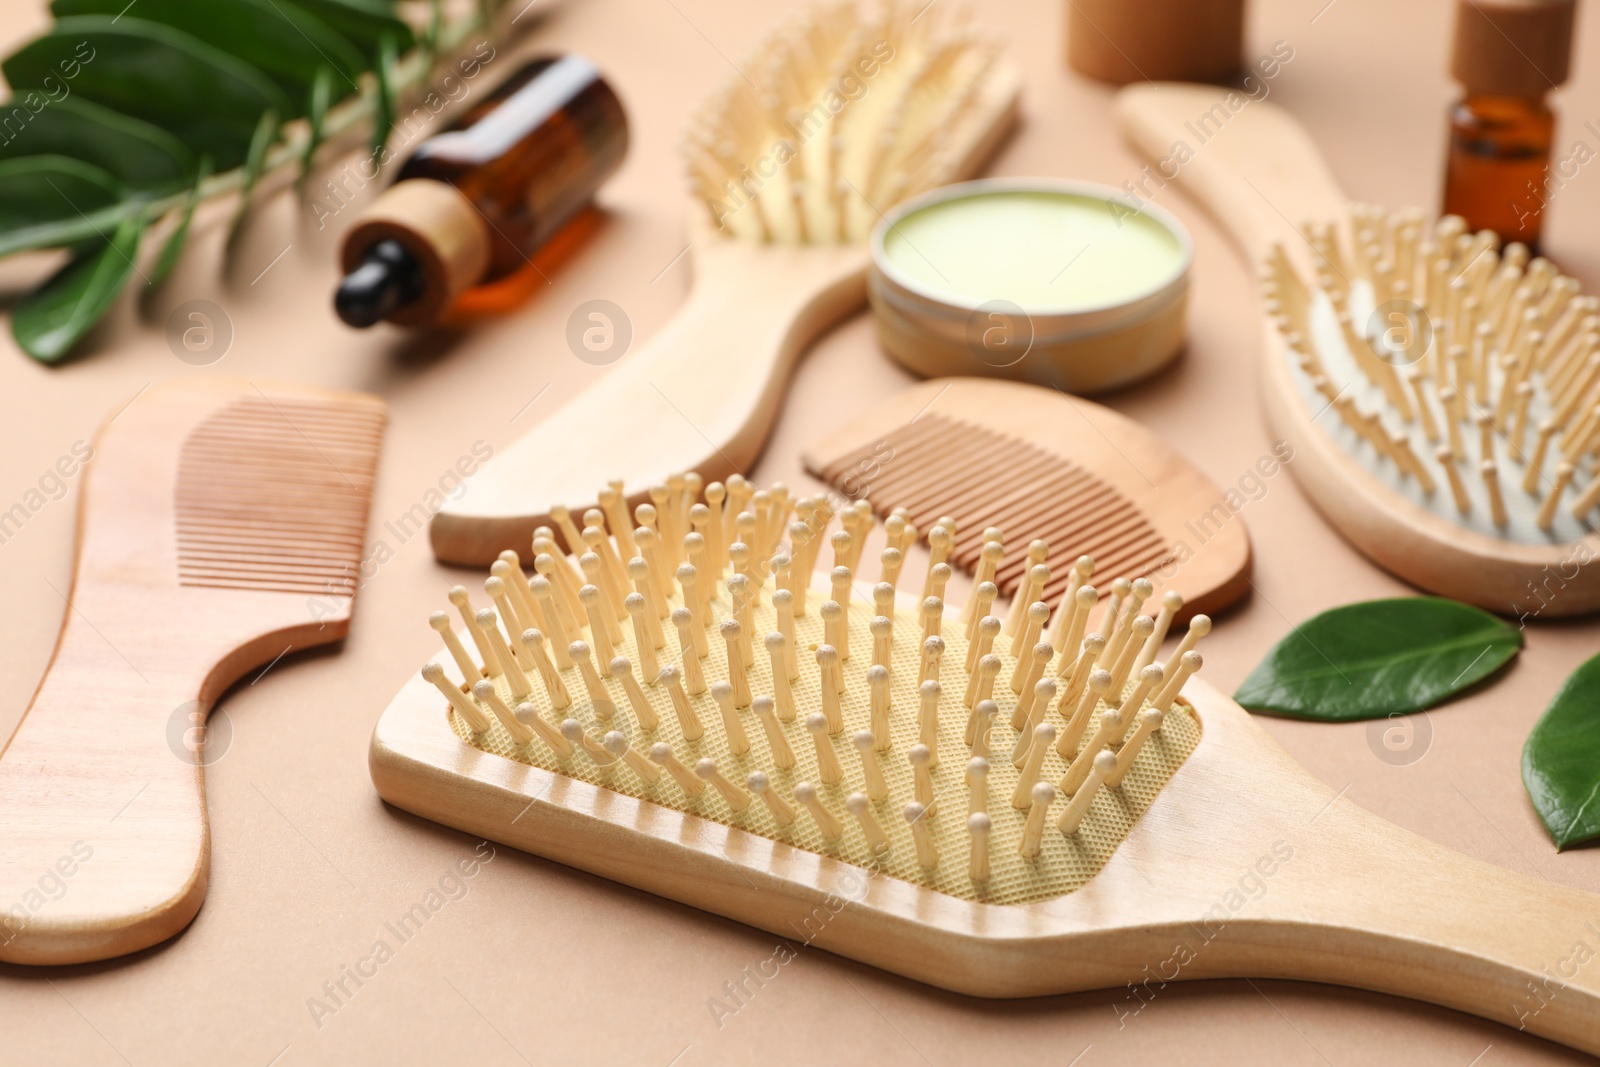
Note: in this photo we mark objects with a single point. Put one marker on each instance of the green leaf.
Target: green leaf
(266, 133)
(49, 201)
(51, 319)
(141, 156)
(282, 41)
(1378, 658)
(205, 97)
(180, 233)
(364, 23)
(1561, 760)
(384, 111)
(316, 115)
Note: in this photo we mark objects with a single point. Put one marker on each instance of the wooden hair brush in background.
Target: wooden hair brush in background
(1442, 394)
(994, 801)
(838, 116)
(221, 527)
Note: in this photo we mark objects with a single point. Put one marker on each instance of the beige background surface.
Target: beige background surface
(542, 964)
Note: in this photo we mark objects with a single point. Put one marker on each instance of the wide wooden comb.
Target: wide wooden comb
(1217, 856)
(222, 525)
(1042, 466)
(1442, 395)
(844, 114)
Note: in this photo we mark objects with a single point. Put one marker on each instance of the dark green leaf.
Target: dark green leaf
(50, 320)
(1561, 760)
(321, 97)
(1381, 657)
(141, 156)
(282, 41)
(266, 133)
(364, 23)
(50, 201)
(384, 112)
(180, 233)
(205, 97)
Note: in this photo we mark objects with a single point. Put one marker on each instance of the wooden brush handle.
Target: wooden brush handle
(701, 396)
(1249, 162)
(1381, 908)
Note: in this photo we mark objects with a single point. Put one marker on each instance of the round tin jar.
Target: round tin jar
(1055, 282)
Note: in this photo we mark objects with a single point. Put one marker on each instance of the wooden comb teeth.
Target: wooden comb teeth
(273, 495)
(859, 721)
(946, 467)
(221, 527)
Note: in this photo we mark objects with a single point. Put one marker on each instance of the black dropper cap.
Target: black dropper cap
(387, 278)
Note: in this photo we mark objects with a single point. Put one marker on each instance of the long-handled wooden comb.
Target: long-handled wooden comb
(221, 526)
(1045, 848)
(846, 116)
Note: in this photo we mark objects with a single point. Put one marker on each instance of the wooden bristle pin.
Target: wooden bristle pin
(470, 713)
(932, 617)
(861, 807)
(1034, 620)
(1188, 665)
(883, 599)
(529, 716)
(988, 629)
(1096, 690)
(806, 794)
(1552, 500)
(916, 816)
(932, 653)
(989, 558)
(1110, 730)
(738, 740)
(830, 682)
(463, 604)
(1038, 659)
(828, 769)
(761, 786)
(1149, 722)
(1043, 795)
(877, 786)
(1103, 764)
(1149, 679)
(616, 743)
(1199, 626)
(882, 628)
(783, 603)
(589, 595)
(560, 642)
(1171, 604)
(833, 627)
(592, 683)
(1044, 694)
(485, 692)
(928, 719)
(440, 621)
(978, 853)
(777, 741)
(983, 601)
(578, 737)
(688, 720)
(878, 714)
(977, 785)
(643, 711)
(1139, 632)
(1044, 736)
(738, 668)
(662, 754)
(985, 711)
(736, 798)
(1120, 589)
(921, 760)
(505, 663)
(889, 563)
(782, 691)
(1458, 488)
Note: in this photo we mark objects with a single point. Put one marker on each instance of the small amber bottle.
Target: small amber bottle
(1509, 55)
(475, 202)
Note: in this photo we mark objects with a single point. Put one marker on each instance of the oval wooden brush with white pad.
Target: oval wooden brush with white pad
(1442, 394)
(839, 116)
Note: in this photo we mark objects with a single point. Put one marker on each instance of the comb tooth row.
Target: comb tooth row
(939, 467)
(799, 108)
(688, 676)
(1492, 412)
(272, 495)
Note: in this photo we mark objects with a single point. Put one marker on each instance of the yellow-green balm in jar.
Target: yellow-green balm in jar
(1050, 281)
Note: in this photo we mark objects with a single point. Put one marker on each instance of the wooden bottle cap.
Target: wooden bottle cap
(443, 232)
(1161, 40)
(1512, 47)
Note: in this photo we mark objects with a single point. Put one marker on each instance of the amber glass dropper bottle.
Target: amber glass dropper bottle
(474, 202)
(1509, 55)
